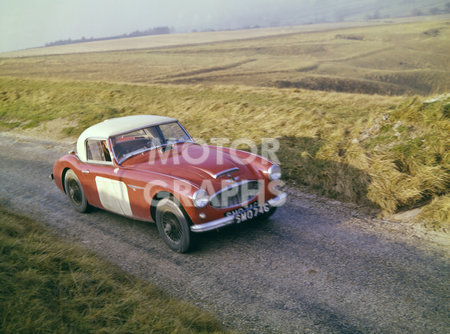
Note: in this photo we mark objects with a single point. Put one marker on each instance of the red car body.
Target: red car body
(134, 183)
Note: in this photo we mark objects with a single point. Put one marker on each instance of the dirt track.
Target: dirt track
(317, 266)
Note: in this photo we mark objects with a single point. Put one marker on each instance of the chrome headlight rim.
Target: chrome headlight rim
(274, 172)
(200, 198)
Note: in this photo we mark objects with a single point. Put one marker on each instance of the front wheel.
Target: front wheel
(173, 226)
(75, 191)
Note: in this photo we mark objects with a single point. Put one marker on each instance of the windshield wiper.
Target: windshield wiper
(171, 144)
(164, 147)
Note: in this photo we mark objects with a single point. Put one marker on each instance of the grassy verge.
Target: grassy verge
(387, 152)
(49, 286)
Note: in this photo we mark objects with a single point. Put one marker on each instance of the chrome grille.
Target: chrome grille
(236, 194)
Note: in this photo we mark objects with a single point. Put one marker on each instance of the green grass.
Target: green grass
(387, 152)
(49, 286)
(388, 59)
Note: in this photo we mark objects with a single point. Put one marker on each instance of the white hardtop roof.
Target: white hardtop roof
(115, 126)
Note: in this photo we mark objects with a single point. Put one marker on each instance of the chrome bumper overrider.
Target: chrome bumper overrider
(221, 222)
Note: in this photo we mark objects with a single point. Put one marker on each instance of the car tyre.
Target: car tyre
(173, 225)
(75, 191)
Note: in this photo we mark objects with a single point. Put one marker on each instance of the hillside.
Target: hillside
(174, 40)
(291, 12)
(394, 58)
(388, 153)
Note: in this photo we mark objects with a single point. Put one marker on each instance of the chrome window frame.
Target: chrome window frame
(98, 162)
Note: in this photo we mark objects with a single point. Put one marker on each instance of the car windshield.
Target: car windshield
(129, 144)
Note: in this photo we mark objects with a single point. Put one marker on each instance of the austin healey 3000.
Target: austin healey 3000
(149, 168)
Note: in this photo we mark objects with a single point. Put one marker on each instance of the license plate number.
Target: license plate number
(248, 212)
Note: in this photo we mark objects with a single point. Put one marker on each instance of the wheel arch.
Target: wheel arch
(63, 178)
(162, 195)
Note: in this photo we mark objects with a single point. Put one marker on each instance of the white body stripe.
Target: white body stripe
(113, 195)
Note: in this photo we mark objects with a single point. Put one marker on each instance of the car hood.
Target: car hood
(194, 163)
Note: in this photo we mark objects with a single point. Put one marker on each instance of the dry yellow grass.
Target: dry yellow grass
(386, 152)
(437, 213)
(389, 59)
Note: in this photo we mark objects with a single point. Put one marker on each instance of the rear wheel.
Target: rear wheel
(173, 226)
(75, 191)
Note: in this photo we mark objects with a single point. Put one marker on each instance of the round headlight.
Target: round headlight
(200, 198)
(274, 173)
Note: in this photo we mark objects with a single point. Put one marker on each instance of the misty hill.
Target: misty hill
(136, 33)
(293, 12)
(319, 11)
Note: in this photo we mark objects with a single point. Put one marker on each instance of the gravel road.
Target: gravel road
(318, 266)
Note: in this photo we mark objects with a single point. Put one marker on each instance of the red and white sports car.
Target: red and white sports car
(149, 168)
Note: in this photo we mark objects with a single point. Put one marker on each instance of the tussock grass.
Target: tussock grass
(49, 286)
(387, 152)
(437, 214)
(411, 151)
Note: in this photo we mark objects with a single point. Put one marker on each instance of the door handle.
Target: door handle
(85, 171)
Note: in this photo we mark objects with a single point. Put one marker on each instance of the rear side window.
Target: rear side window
(97, 150)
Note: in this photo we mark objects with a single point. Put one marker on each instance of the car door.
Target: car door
(109, 191)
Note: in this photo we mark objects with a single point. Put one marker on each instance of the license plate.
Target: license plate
(248, 212)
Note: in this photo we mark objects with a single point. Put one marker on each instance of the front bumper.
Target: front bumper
(228, 220)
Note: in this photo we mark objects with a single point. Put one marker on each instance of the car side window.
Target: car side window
(97, 150)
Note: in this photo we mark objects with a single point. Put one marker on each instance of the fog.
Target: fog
(30, 23)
